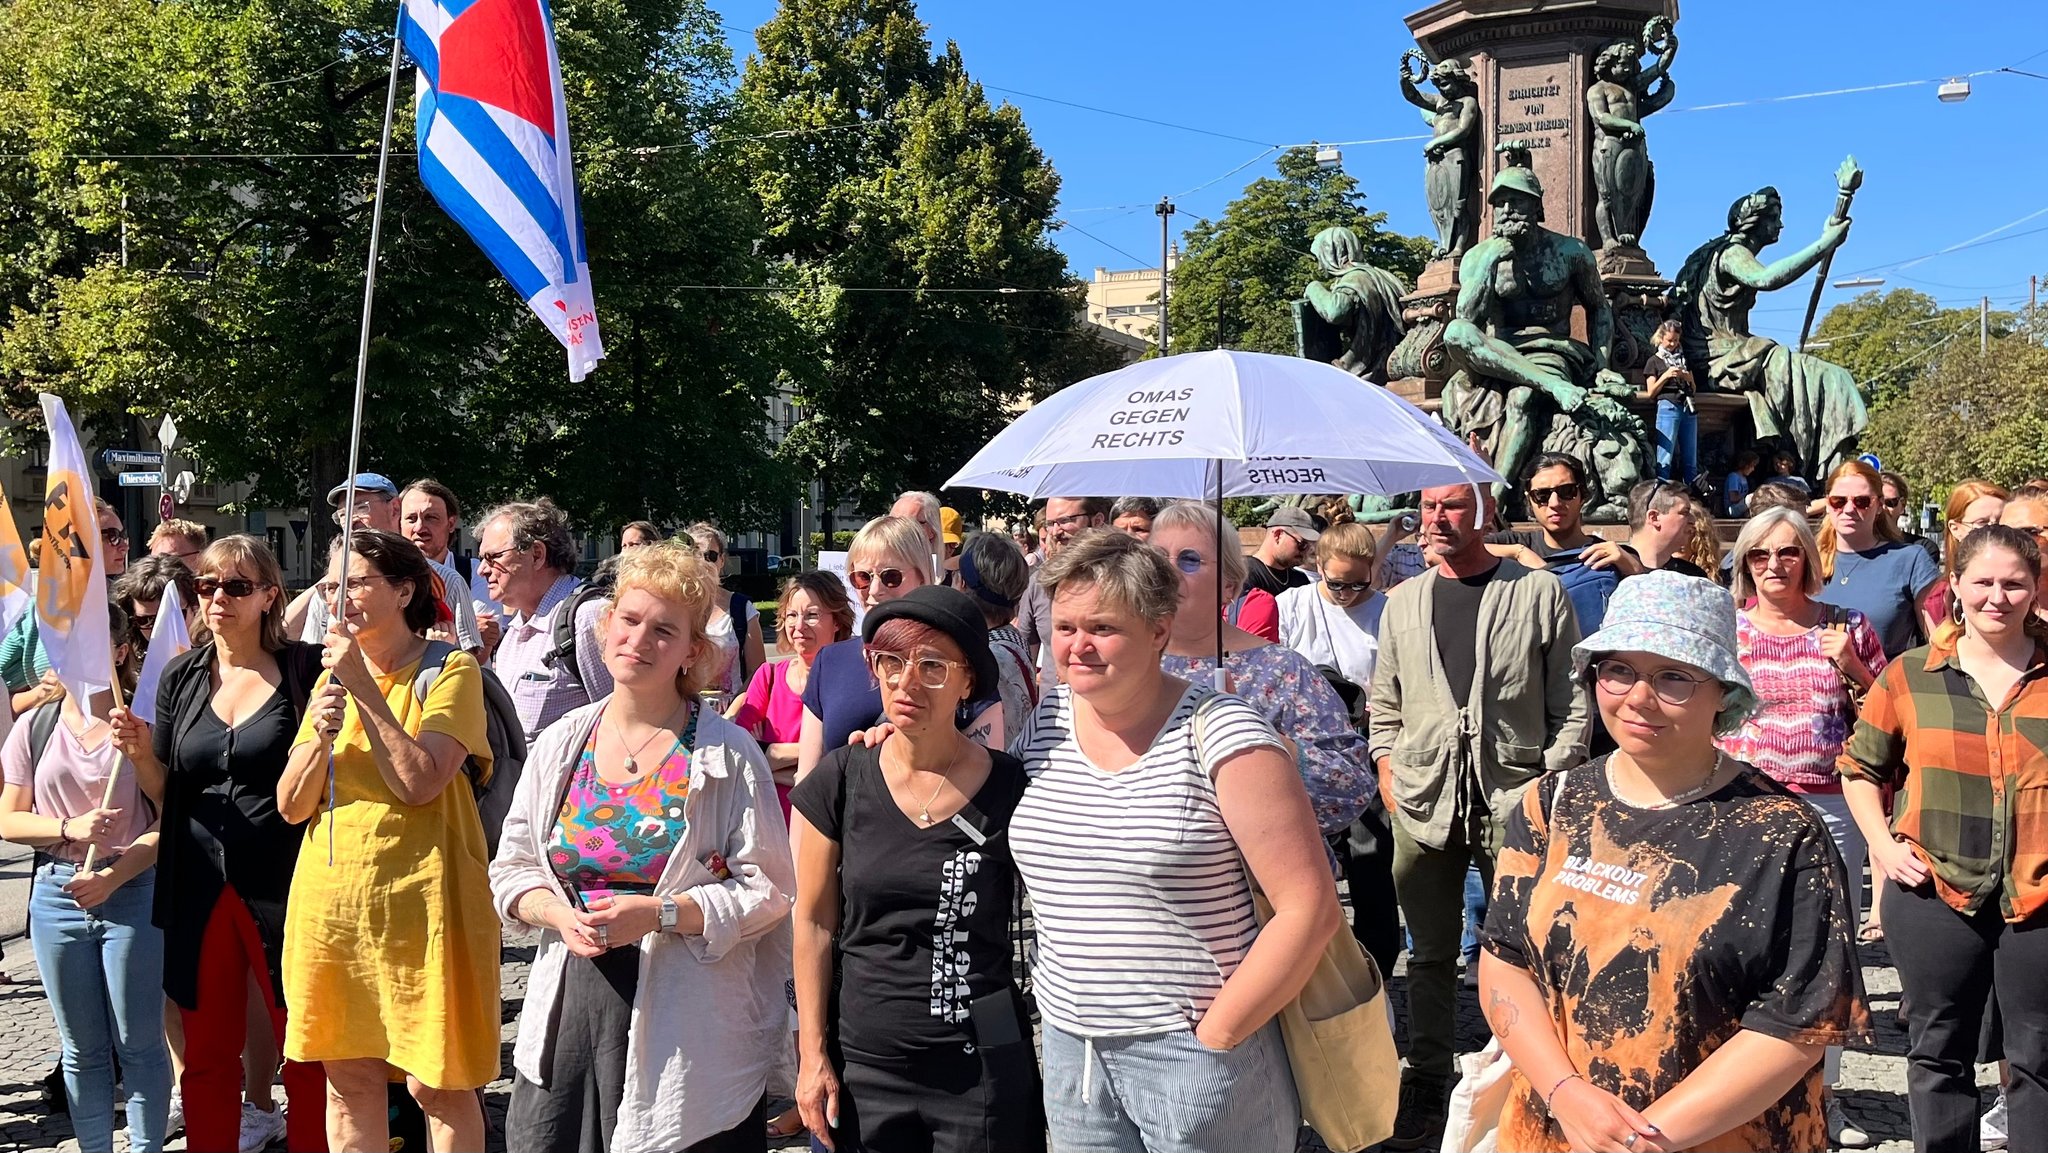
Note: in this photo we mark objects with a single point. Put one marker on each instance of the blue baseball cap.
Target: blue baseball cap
(375, 482)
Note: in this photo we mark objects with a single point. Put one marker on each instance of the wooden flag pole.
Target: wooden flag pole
(92, 851)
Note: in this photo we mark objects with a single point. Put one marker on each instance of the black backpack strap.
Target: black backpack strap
(737, 609)
(42, 725)
(561, 652)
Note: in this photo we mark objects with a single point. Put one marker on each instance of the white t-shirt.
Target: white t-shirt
(721, 633)
(1347, 640)
(1139, 892)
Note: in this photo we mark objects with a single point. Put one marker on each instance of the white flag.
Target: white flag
(71, 584)
(169, 639)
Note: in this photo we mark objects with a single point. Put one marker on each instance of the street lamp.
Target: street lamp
(1954, 90)
(1860, 282)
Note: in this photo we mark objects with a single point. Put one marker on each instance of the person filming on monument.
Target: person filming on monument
(1511, 335)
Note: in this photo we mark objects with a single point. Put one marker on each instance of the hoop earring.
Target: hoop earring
(1955, 609)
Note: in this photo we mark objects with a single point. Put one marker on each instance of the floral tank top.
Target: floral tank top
(618, 838)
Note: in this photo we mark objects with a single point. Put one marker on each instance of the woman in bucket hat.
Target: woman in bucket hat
(1669, 942)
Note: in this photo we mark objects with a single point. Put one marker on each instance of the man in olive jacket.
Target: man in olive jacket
(1472, 699)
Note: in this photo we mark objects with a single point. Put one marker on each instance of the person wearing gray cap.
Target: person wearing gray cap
(1669, 949)
(1290, 539)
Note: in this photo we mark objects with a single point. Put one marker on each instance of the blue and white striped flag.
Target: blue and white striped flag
(494, 151)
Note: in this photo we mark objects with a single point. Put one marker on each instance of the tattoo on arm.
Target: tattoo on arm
(1502, 1013)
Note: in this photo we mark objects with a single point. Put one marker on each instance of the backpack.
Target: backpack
(561, 652)
(503, 731)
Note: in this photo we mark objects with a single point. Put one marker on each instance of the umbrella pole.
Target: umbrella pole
(1218, 678)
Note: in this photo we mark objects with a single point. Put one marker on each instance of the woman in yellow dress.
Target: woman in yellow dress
(391, 945)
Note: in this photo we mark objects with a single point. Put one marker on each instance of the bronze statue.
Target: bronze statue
(1794, 395)
(1353, 319)
(1625, 95)
(1522, 379)
(1453, 153)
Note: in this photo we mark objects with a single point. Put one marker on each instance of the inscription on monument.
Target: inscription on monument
(1533, 101)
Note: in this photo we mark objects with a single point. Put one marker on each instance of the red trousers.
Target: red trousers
(214, 1033)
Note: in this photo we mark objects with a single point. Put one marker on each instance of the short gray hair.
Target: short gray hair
(704, 530)
(1144, 506)
(1127, 574)
(1658, 496)
(1763, 524)
(534, 522)
(1211, 523)
(927, 513)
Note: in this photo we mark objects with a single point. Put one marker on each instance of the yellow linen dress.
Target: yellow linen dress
(391, 952)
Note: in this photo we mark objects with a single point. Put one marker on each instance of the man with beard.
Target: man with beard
(1511, 337)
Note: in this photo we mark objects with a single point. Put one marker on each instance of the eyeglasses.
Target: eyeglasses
(1188, 561)
(932, 672)
(1617, 678)
(114, 537)
(144, 625)
(861, 578)
(711, 555)
(1564, 492)
(1895, 502)
(1970, 526)
(497, 559)
(1862, 503)
(1762, 557)
(235, 587)
(1346, 588)
(355, 585)
(1071, 520)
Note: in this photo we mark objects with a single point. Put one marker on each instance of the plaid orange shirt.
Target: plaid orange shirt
(1972, 780)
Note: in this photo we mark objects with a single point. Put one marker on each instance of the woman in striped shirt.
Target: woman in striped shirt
(1154, 806)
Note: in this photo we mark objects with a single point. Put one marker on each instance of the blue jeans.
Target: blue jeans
(104, 971)
(1475, 916)
(1169, 1093)
(1678, 437)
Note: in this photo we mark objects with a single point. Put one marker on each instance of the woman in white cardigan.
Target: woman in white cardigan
(646, 841)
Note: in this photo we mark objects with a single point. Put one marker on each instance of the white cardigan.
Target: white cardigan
(710, 1027)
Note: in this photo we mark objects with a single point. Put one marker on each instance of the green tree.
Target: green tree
(912, 220)
(1968, 415)
(1256, 259)
(225, 289)
(1887, 338)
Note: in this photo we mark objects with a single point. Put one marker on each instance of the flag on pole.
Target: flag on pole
(71, 582)
(169, 639)
(15, 598)
(494, 151)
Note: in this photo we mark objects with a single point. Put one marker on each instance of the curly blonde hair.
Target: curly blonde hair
(673, 571)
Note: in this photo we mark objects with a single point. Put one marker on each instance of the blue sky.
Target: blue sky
(1282, 73)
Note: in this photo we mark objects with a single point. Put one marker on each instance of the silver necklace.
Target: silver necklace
(632, 762)
(1681, 797)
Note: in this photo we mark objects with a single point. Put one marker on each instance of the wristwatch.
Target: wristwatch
(668, 914)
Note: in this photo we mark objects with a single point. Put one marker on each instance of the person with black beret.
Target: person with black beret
(904, 891)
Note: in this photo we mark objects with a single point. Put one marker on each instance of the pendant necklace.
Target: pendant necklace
(632, 762)
(924, 811)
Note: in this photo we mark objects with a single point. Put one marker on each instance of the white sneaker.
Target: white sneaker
(1991, 1127)
(177, 1120)
(259, 1128)
(1843, 1132)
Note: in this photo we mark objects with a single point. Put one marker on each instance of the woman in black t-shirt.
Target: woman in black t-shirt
(226, 713)
(904, 892)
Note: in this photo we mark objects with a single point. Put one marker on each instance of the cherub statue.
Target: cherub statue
(1624, 95)
(1452, 180)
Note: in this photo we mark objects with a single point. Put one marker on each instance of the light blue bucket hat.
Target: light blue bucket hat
(1679, 618)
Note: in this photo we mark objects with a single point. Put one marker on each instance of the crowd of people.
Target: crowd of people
(1628, 786)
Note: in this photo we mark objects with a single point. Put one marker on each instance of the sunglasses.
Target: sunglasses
(1862, 503)
(861, 579)
(1346, 588)
(235, 587)
(1762, 557)
(1188, 561)
(711, 555)
(114, 536)
(1564, 492)
(1617, 678)
(143, 627)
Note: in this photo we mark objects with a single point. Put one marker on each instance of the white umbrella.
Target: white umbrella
(1216, 424)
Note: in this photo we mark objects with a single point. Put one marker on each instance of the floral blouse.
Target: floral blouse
(1296, 700)
(618, 838)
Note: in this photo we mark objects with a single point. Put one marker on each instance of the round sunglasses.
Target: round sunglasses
(861, 578)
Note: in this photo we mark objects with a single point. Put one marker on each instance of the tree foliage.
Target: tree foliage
(1968, 415)
(1256, 257)
(1887, 338)
(904, 208)
(226, 289)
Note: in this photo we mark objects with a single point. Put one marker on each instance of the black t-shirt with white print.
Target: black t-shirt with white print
(924, 913)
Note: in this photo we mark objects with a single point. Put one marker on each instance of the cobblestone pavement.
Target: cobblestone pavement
(1873, 1081)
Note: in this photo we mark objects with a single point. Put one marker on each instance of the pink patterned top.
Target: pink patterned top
(1804, 712)
(618, 838)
